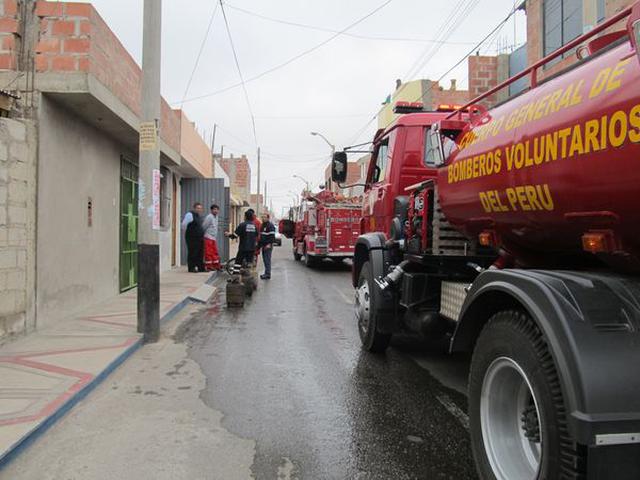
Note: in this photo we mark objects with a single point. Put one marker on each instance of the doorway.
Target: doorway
(128, 224)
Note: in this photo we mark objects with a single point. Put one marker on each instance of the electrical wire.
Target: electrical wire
(346, 34)
(476, 47)
(202, 45)
(244, 86)
(451, 23)
(457, 20)
(292, 59)
(279, 156)
(310, 117)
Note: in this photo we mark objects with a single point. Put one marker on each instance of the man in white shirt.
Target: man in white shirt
(210, 227)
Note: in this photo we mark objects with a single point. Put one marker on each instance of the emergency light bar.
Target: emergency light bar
(408, 107)
(446, 107)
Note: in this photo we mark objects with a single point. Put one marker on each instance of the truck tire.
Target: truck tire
(309, 260)
(367, 305)
(516, 410)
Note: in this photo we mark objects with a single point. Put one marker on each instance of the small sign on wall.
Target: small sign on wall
(148, 136)
(156, 199)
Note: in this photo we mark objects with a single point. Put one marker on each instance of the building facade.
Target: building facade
(69, 197)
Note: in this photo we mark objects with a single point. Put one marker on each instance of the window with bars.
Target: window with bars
(562, 22)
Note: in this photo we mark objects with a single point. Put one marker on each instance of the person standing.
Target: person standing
(210, 227)
(194, 237)
(247, 233)
(267, 239)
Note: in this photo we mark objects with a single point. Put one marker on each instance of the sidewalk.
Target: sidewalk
(42, 375)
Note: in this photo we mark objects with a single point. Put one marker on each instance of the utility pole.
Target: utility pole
(265, 193)
(258, 195)
(149, 176)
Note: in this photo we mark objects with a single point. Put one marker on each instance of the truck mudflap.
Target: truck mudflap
(591, 322)
(370, 247)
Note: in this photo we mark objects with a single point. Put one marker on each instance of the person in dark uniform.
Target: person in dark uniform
(267, 239)
(247, 233)
(194, 236)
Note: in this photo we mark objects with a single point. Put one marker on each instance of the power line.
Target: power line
(266, 153)
(244, 86)
(451, 22)
(346, 34)
(292, 59)
(459, 17)
(476, 47)
(195, 66)
(310, 117)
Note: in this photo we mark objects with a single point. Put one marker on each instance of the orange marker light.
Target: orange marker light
(486, 239)
(595, 242)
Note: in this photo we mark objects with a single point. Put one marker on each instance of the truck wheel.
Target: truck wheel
(516, 410)
(367, 305)
(309, 261)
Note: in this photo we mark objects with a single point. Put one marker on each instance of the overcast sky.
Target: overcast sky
(335, 90)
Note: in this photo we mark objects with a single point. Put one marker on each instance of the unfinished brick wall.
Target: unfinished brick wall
(17, 227)
(483, 75)
(74, 38)
(9, 28)
(447, 96)
(239, 172)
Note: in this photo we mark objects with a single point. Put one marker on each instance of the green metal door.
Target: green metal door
(128, 224)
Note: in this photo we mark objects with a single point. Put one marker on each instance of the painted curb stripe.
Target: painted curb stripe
(17, 448)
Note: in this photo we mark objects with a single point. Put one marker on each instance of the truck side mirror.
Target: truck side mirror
(339, 167)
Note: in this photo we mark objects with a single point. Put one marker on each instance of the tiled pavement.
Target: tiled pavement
(43, 374)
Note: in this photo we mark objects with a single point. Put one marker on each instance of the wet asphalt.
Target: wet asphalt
(288, 372)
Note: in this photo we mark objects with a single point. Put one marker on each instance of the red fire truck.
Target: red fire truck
(325, 226)
(515, 233)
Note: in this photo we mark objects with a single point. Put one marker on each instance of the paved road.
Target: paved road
(287, 372)
(279, 390)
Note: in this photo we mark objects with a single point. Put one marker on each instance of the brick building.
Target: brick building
(68, 164)
(239, 172)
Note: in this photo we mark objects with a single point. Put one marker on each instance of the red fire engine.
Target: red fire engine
(325, 226)
(515, 233)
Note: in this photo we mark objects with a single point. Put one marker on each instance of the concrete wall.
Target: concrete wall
(17, 226)
(78, 265)
(193, 148)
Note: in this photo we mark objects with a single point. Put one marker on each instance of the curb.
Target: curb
(22, 444)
